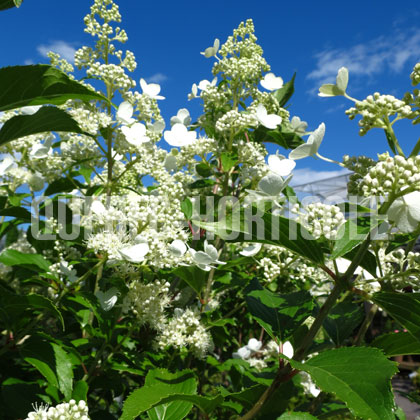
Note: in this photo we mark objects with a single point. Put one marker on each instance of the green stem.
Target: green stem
(392, 137)
(366, 324)
(416, 149)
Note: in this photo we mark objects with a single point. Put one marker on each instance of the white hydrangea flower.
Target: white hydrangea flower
(182, 117)
(178, 248)
(135, 134)
(248, 350)
(251, 250)
(179, 136)
(125, 113)
(65, 411)
(151, 89)
(135, 253)
(271, 82)
(207, 258)
(270, 121)
(205, 84)
(6, 164)
(405, 212)
(298, 126)
(310, 148)
(107, 299)
(194, 92)
(211, 51)
(41, 150)
(340, 86)
(280, 165)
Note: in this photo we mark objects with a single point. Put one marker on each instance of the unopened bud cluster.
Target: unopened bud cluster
(66, 411)
(236, 121)
(148, 301)
(242, 56)
(360, 166)
(391, 174)
(322, 220)
(376, 109)
(415, 75)
(185, 330)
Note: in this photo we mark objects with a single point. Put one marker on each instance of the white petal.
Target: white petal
(158, 126)
(316, 137)
(135, 253)
(201, 257)
(254, 344)
(288, 349)
(244, 352)
(40, 151)
(298, 126)
(178, 248)
(251, 250)
(412, 200)
(98, 208)
(179, 136)
(270, 121)
(125, 112)
(107, 299)
(271, 184)
(30, 110)
(302, 151)
(271, 82)
(342, 79)
(282, 167)
(6, 165)
(211, 251)
(171, 163)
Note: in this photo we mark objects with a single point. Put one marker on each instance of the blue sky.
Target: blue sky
(378, 40)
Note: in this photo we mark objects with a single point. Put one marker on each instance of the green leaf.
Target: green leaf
(159, 385)
(14, 305)
(47, 118)
(11, 257)
(18, 2)
(187, 208)
(359, 376)
(403, 307)
(351, 234)
(193, 276)
(80, 391)
(268, 229)
(51, 361)
(342, 320)
(397, 344)
(279, 315)
(296, 416)
(64, 369)
(8, 4)
(285, 92)
(38, 85)
(202, 183)
(62, 185)
(18, 396)
(228, 161)
(203, 170)
(17, 212)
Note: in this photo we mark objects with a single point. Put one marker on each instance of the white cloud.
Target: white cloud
(157, 78)
(384, 53)
(306, 176)
(28, 62)
(65, 49)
